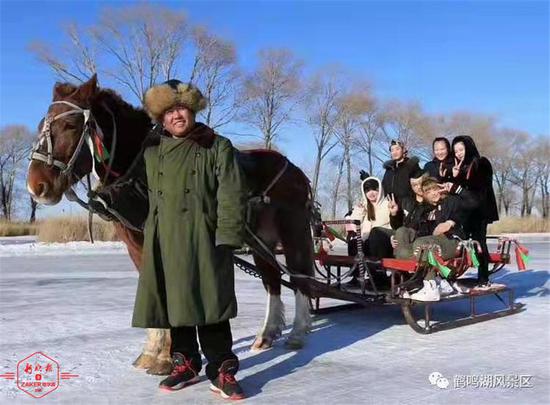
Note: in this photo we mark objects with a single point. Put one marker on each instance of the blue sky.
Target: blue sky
(483, 56)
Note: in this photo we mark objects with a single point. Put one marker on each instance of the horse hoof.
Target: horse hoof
(261, 344)
(161, 367)
(144, 361)
(294, 343)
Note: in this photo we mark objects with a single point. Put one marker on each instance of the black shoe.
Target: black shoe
(183, 374)
(225, 384)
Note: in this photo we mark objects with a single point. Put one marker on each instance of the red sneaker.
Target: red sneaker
(225, 384)
(183, 374)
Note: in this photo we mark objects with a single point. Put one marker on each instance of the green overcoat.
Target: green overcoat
(196, 215)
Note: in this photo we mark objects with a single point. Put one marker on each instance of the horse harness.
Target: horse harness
(91, 132)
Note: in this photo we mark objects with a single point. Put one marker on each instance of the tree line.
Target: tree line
(134, 47)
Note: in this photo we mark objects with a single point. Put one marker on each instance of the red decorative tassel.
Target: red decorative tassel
(523, 249)
(321, 255)
(468, 260)
(519, 260)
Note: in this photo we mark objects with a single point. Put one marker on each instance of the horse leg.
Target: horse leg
(163, 361)
(274, 321)
(151, 349)
(295, 233)
(156, 352)
(302, 322)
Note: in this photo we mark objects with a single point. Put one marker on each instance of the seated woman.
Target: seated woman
(373, 212)
(434, 222)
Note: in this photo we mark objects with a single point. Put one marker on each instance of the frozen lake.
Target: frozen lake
(74, 303)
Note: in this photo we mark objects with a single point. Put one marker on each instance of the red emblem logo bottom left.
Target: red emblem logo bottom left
(38, 375)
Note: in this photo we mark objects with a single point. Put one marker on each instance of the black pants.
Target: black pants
(377, 246)
(379, 243)
(215, 340)
(477, 230)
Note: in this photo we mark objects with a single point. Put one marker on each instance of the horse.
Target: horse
(80, 117)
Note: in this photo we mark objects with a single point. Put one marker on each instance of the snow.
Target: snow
(74, 303)
(29, 247)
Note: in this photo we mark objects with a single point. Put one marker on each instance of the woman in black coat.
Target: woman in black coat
(475, 173)
(441, 166)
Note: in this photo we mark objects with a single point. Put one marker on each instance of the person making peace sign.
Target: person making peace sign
(475, 173)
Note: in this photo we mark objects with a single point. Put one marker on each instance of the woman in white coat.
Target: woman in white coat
(373, 210)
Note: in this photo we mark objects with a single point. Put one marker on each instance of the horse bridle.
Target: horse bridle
(85, 138)
(45, 136)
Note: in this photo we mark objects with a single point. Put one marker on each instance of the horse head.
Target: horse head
(61, 155)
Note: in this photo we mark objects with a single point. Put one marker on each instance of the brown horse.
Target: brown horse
(79, 116)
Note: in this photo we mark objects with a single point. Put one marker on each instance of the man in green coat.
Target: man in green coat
(196, 218)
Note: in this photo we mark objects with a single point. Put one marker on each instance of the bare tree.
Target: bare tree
(215, 71)
(525, 174)
(503, 154)
(350, 106)
(15, 144)
(371, 127)
(322, 114)
(270, 93)
(145, 42)
(479, 126)
(73, 61)
(542, 161)
(336, 190)
(136, 46)
(409, 123)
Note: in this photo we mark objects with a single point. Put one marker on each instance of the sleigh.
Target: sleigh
(333, 271)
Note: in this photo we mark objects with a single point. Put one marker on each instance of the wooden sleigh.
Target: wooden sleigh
(405, 273)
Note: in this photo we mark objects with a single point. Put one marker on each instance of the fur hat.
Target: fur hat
(160, 98)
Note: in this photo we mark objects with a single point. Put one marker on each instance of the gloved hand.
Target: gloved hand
(363, 175)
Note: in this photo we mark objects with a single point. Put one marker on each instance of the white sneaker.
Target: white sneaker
(483, 287)
(445, 288)
(429, 292)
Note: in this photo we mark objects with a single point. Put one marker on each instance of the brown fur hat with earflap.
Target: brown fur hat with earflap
(160, 98)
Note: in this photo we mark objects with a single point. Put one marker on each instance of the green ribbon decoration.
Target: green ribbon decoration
(443, 270)
(101, 154)
(473, 256)
(526, 259)
(336, 233)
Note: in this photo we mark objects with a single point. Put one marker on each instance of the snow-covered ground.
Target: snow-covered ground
(74, 303)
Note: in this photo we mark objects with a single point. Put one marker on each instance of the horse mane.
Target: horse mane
(116, 102)
(108, 97)
(133, 126)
